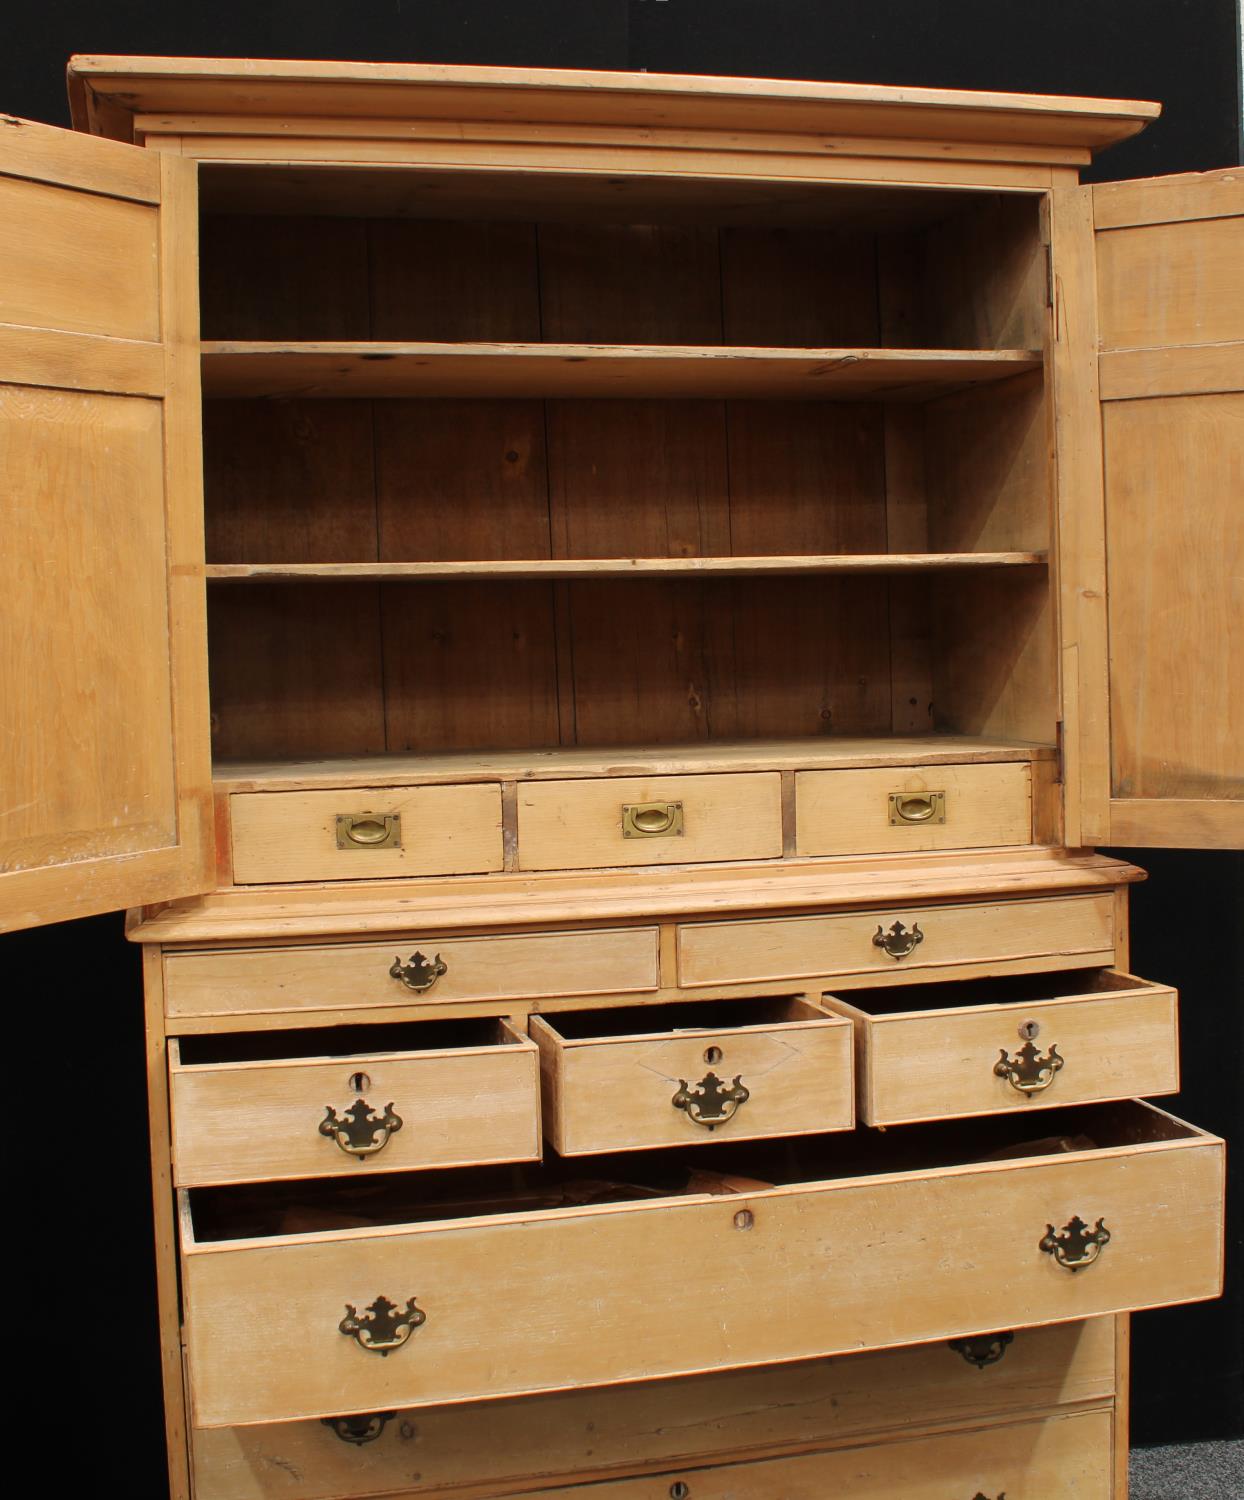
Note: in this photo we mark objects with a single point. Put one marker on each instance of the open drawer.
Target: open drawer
(672, 1075)
(1023, 1041)
(352, 1099)
(408, 1291)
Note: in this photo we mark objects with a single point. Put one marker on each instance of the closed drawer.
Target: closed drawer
(1023, 1042)
(898, 939)
(907, 807)
(677, 1075)
(659, 820)
(867, 1240)
(365, 833)
(1067, 1456)
(521, 1444)
(354, 976)
(352, 1100)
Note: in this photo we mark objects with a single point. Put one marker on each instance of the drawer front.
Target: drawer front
(902, 808)
(659, 820)
(365, 833)
(654, 1424)
(1068, 1456)
(255, 1122)
(623, 1093)
(520, 1303)
(355, 976)
(1060, 928)
(919, 1066)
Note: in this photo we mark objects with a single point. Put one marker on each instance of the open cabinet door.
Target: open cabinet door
(1160, 588)
(104, 759)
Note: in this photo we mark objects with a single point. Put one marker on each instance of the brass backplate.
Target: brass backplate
(917, 807)
(651, 820)
(369, 830)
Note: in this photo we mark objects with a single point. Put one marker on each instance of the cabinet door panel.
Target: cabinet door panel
(105, 762)
(1162, 725)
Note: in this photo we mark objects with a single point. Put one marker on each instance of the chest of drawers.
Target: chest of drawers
(633, 1007)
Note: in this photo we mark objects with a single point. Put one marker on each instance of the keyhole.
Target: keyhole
(1029, 1031)
(358, 1083)
(679, 1490)
(712, 1054)
(744, 1219)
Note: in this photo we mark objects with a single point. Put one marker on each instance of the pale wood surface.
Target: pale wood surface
(446, 830)
(627, 567)
(848, 812)
(566, 825)
(786, 948)
(1197, 370)
(1069, 1455)
(253, 1122)
(613, 1093)
(1166, 200)
(939, 1064)
(1162, 285)
(570, 762)
(267, 915)
(520, 1444)
(356, 975)
(262, 1314)
(594, 370)
(224, 85)
(107, 787)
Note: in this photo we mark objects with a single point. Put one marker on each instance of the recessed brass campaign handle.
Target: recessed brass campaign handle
(917, 807)
(360, 1131)
(1075, 1245)
(418, 973)
(384, 1326)
(1028, 1072)
(651, 820)
(711, 1102)
(369, 830)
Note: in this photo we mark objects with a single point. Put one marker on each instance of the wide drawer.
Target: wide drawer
(525, 1443)
(354, 976)
(1068, 1456)
(903, 808)
(651, 820)
(355, 1100)
(841, 1252)
(365, 833)
(1044, 932)
(676, 1075)
(1022, 1042)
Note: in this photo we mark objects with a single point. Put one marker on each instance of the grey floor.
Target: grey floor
(1199, 1471)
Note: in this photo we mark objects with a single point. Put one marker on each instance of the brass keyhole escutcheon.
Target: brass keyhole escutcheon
(358, 1083)
(744, 1219)
(1029, 1031)
(917, 807)
(369, 830)
(679, 1490)
(712, 1056)
(652, 820)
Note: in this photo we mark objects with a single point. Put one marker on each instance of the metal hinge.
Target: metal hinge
(1049, 274)
(1060, 750)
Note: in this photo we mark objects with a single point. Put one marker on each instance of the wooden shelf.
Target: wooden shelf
(620, 567)
(600, 370)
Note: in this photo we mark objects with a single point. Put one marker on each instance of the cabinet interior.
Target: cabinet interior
(869, 559)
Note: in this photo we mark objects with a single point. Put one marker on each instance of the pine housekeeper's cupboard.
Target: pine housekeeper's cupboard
(596, 620)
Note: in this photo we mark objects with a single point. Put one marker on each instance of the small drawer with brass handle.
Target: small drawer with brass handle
(904, 808)
(635, 1078)
(1016, 1042)
(632, 820)
(280, 836)
(353, 1100)
(662, 1266)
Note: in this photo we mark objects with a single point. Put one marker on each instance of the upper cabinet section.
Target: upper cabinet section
(105, 753)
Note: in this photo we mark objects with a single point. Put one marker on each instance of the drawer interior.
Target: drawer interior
(324, 1043)
(1007, 989)
(681, 1016)
(215, 1214)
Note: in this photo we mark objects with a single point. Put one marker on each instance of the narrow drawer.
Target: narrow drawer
(895, 810)
(677, 1075)
(536, 1279)
(1070, 1456)
(356, 976)
(1023, 1042)
(365, 833)
(658, 820)
(352, 1100)
(895, 940)
(654, 1424)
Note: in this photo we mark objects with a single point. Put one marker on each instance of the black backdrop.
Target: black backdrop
(78, 1200)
